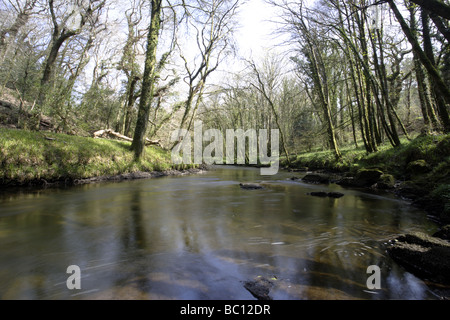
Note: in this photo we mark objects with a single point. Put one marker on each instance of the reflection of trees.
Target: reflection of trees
(133, 231)
(190, 237)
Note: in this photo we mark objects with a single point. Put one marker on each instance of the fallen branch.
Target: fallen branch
(108, 134)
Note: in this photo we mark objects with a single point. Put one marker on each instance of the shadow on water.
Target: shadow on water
(201, 237)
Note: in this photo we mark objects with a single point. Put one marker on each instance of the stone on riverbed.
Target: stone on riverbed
(425, 256)
(260, 288)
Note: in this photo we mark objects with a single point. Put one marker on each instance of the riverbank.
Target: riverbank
(418, 170)
(51, 159)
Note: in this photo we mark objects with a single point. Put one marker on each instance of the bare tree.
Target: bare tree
(82, 13)
(129, 64)
(302, 29)
(213, 30)
(266, 84)
(8, 35)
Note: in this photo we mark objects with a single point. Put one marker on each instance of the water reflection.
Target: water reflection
(199, 237)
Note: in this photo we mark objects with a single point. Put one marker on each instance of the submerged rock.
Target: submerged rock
(326, 194)
(318, 194)
(335, 194)
(425, 256)
(251, 186)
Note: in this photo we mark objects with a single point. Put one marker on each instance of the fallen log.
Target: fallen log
(110, 134)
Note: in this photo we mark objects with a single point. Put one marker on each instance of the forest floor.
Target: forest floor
(45, 158)
(418, 170)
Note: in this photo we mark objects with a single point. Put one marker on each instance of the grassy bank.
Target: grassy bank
(35, 157)
(420, 167)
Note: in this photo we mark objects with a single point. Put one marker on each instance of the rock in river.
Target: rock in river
(260, 288)
(425, 256)
(251, 186)
(316, 178)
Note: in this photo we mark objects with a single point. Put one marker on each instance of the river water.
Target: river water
(201, 237)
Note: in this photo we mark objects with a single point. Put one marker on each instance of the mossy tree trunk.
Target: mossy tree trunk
(321, 82)
(148, 81)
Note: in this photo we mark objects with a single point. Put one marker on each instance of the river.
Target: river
(201, 237)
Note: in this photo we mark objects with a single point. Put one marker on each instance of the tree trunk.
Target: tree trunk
(129, 104)
(355, 76)
(380, 69)
(148, 82)
(21, 20)
(368, 109)
(441, 26)
(321, 82)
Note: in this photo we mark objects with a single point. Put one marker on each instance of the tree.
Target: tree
(128, 64)
(213, 25)
(9, 34)
(62, 31)
(148, 80)
(424, 99)
(266, 85)
(435, 77)
(314, 67)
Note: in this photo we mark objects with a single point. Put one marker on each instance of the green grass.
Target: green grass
(28, 156)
